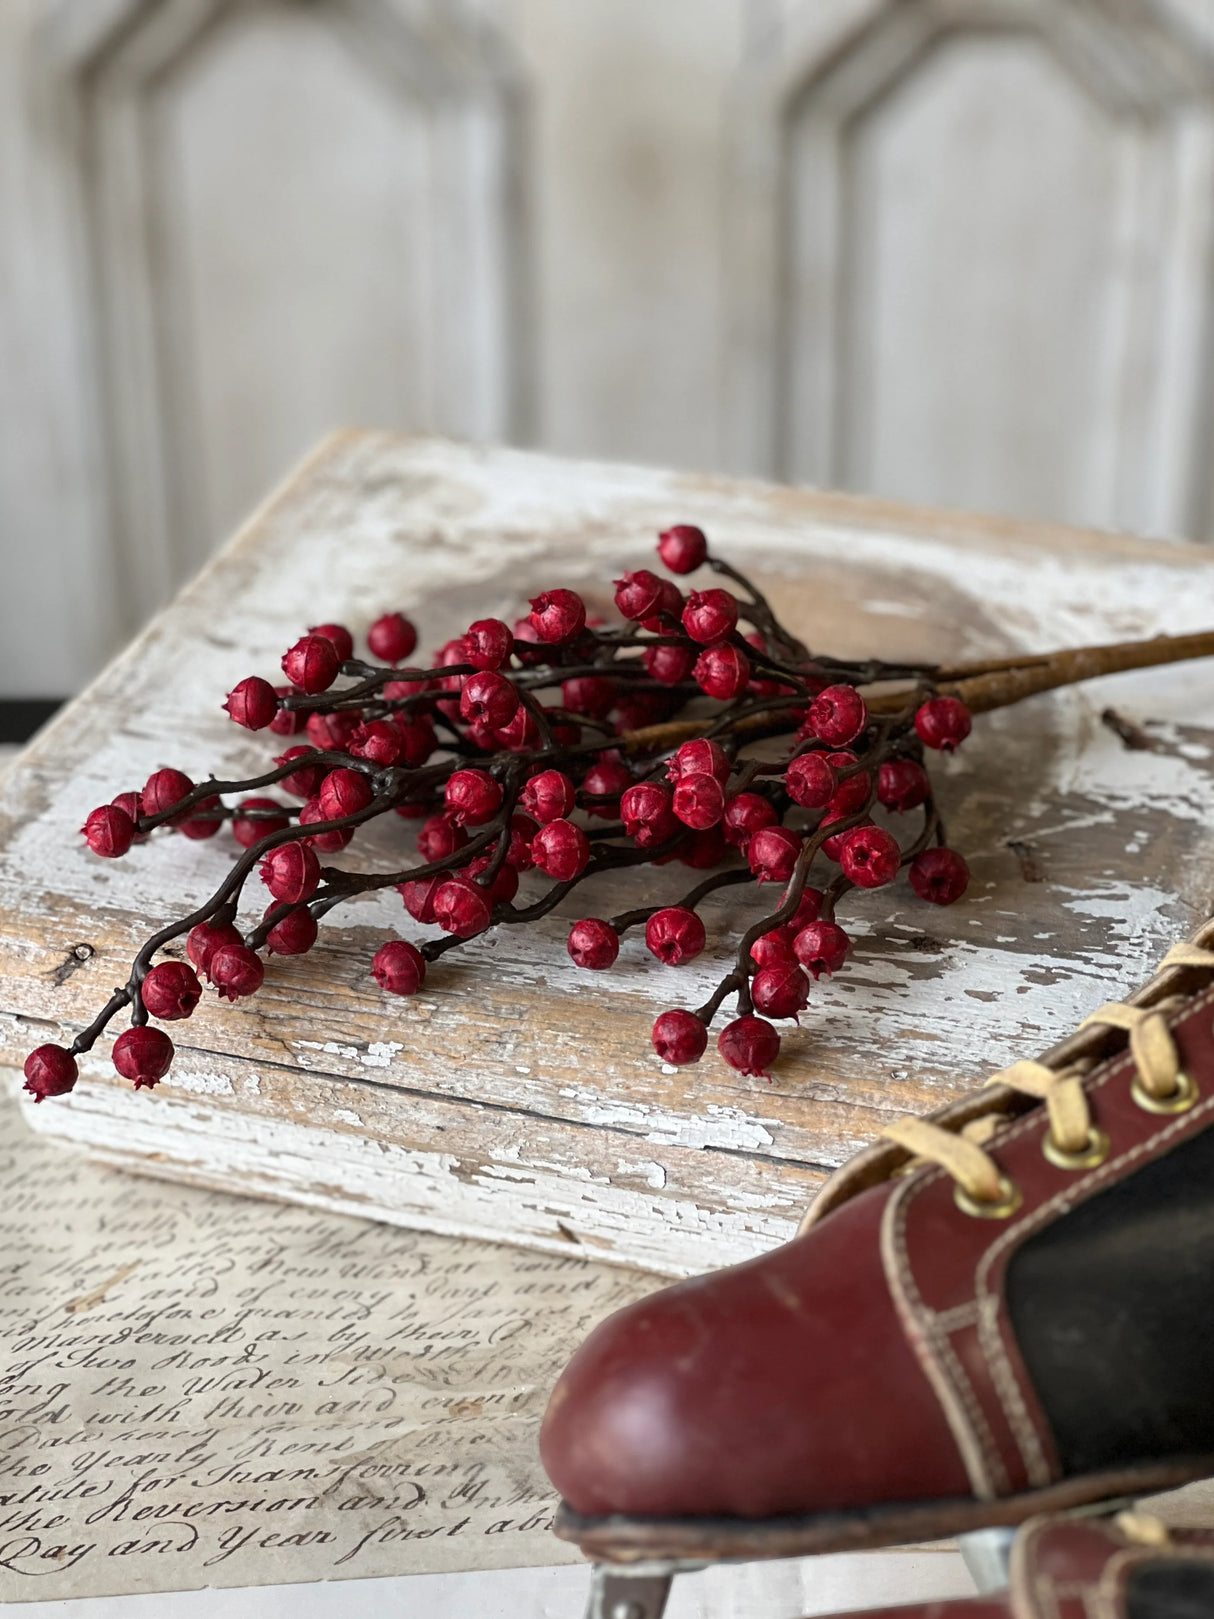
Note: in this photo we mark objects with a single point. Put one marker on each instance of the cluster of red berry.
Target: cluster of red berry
(568, 748)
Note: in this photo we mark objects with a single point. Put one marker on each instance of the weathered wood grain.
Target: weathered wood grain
(517, 1097)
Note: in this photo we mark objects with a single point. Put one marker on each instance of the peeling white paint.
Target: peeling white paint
(431, 1191)
(181, 1079)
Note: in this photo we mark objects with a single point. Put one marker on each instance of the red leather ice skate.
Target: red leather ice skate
(1129, 1567)
(1002, 1310)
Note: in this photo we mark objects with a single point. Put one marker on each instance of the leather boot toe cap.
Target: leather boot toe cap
(781, 1386)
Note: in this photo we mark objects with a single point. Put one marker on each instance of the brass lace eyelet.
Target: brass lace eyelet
(1094, 1152)
(1180, 1100)
(1009, 1200)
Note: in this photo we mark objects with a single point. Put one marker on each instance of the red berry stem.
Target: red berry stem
(509, 735)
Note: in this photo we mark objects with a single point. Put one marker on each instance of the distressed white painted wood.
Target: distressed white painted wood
(321, 1091)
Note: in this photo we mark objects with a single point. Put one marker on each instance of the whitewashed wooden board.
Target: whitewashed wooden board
(518, 1098)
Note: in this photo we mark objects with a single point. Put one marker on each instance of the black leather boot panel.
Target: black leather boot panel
(1113, 1310)
(1171, 1591)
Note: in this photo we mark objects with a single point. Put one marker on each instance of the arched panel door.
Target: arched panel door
(976, 262)
(299, 215)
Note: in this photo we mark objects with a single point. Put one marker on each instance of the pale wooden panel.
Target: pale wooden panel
(972, 243)
(296, 236)
(976, 289)
(630, 107)
(58, 614)
(298, 214)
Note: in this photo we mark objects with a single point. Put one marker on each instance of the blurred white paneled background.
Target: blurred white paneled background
(955, 251)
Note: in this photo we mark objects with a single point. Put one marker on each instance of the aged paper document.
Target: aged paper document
(198, 1389)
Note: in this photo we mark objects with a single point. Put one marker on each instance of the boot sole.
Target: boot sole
(621, 1539)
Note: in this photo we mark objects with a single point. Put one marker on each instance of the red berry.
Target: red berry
(592, 695)
(532, 652)
(109, 831)
(772, 853)
(417, 738)
(669, 664)
(821, 947)
(171, 990)
(832, 847)
(523, 732)
(810, 781)
(256, 818)
(132, 804)
(683, 548)
(378, 742)
(344, 792)
(710, 615)
(236, 971)
(639, 595)
(750, 1045)
(163, 790)
(639, 708)
(772, 948)
(780, 989)
(488, 643)
(593, 943)
(343, 641)
(462, 907)
(870, 857)
(549, 796)
(699, 801)
(288, 721)
(607, 778)
(203, 821)
(392, 638)
(312, 664)
(399, 967)
(252, 703)
(143, 1055)
(703, 850)
(679, 1037)
(557, 615)
(745, 814)
(472, 797)
(522, 833)
(331, 732)
(669, 610)
(645, 809)
(939, 875)
(853, 791)
(809, 908)
(943, 723)
(440, 837)
(327, 842)
(674, 935)
(395, 691)
(722, 672)
(838, 715)
(489, 698)
(697, 757)
(294, 935)
(419, 896)
(291, 872)
(205, 939)
(504, 886)
(902, 784)
(561, 850)
(50, 1071)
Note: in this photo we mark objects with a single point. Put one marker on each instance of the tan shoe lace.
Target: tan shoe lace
(1073, 1141)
